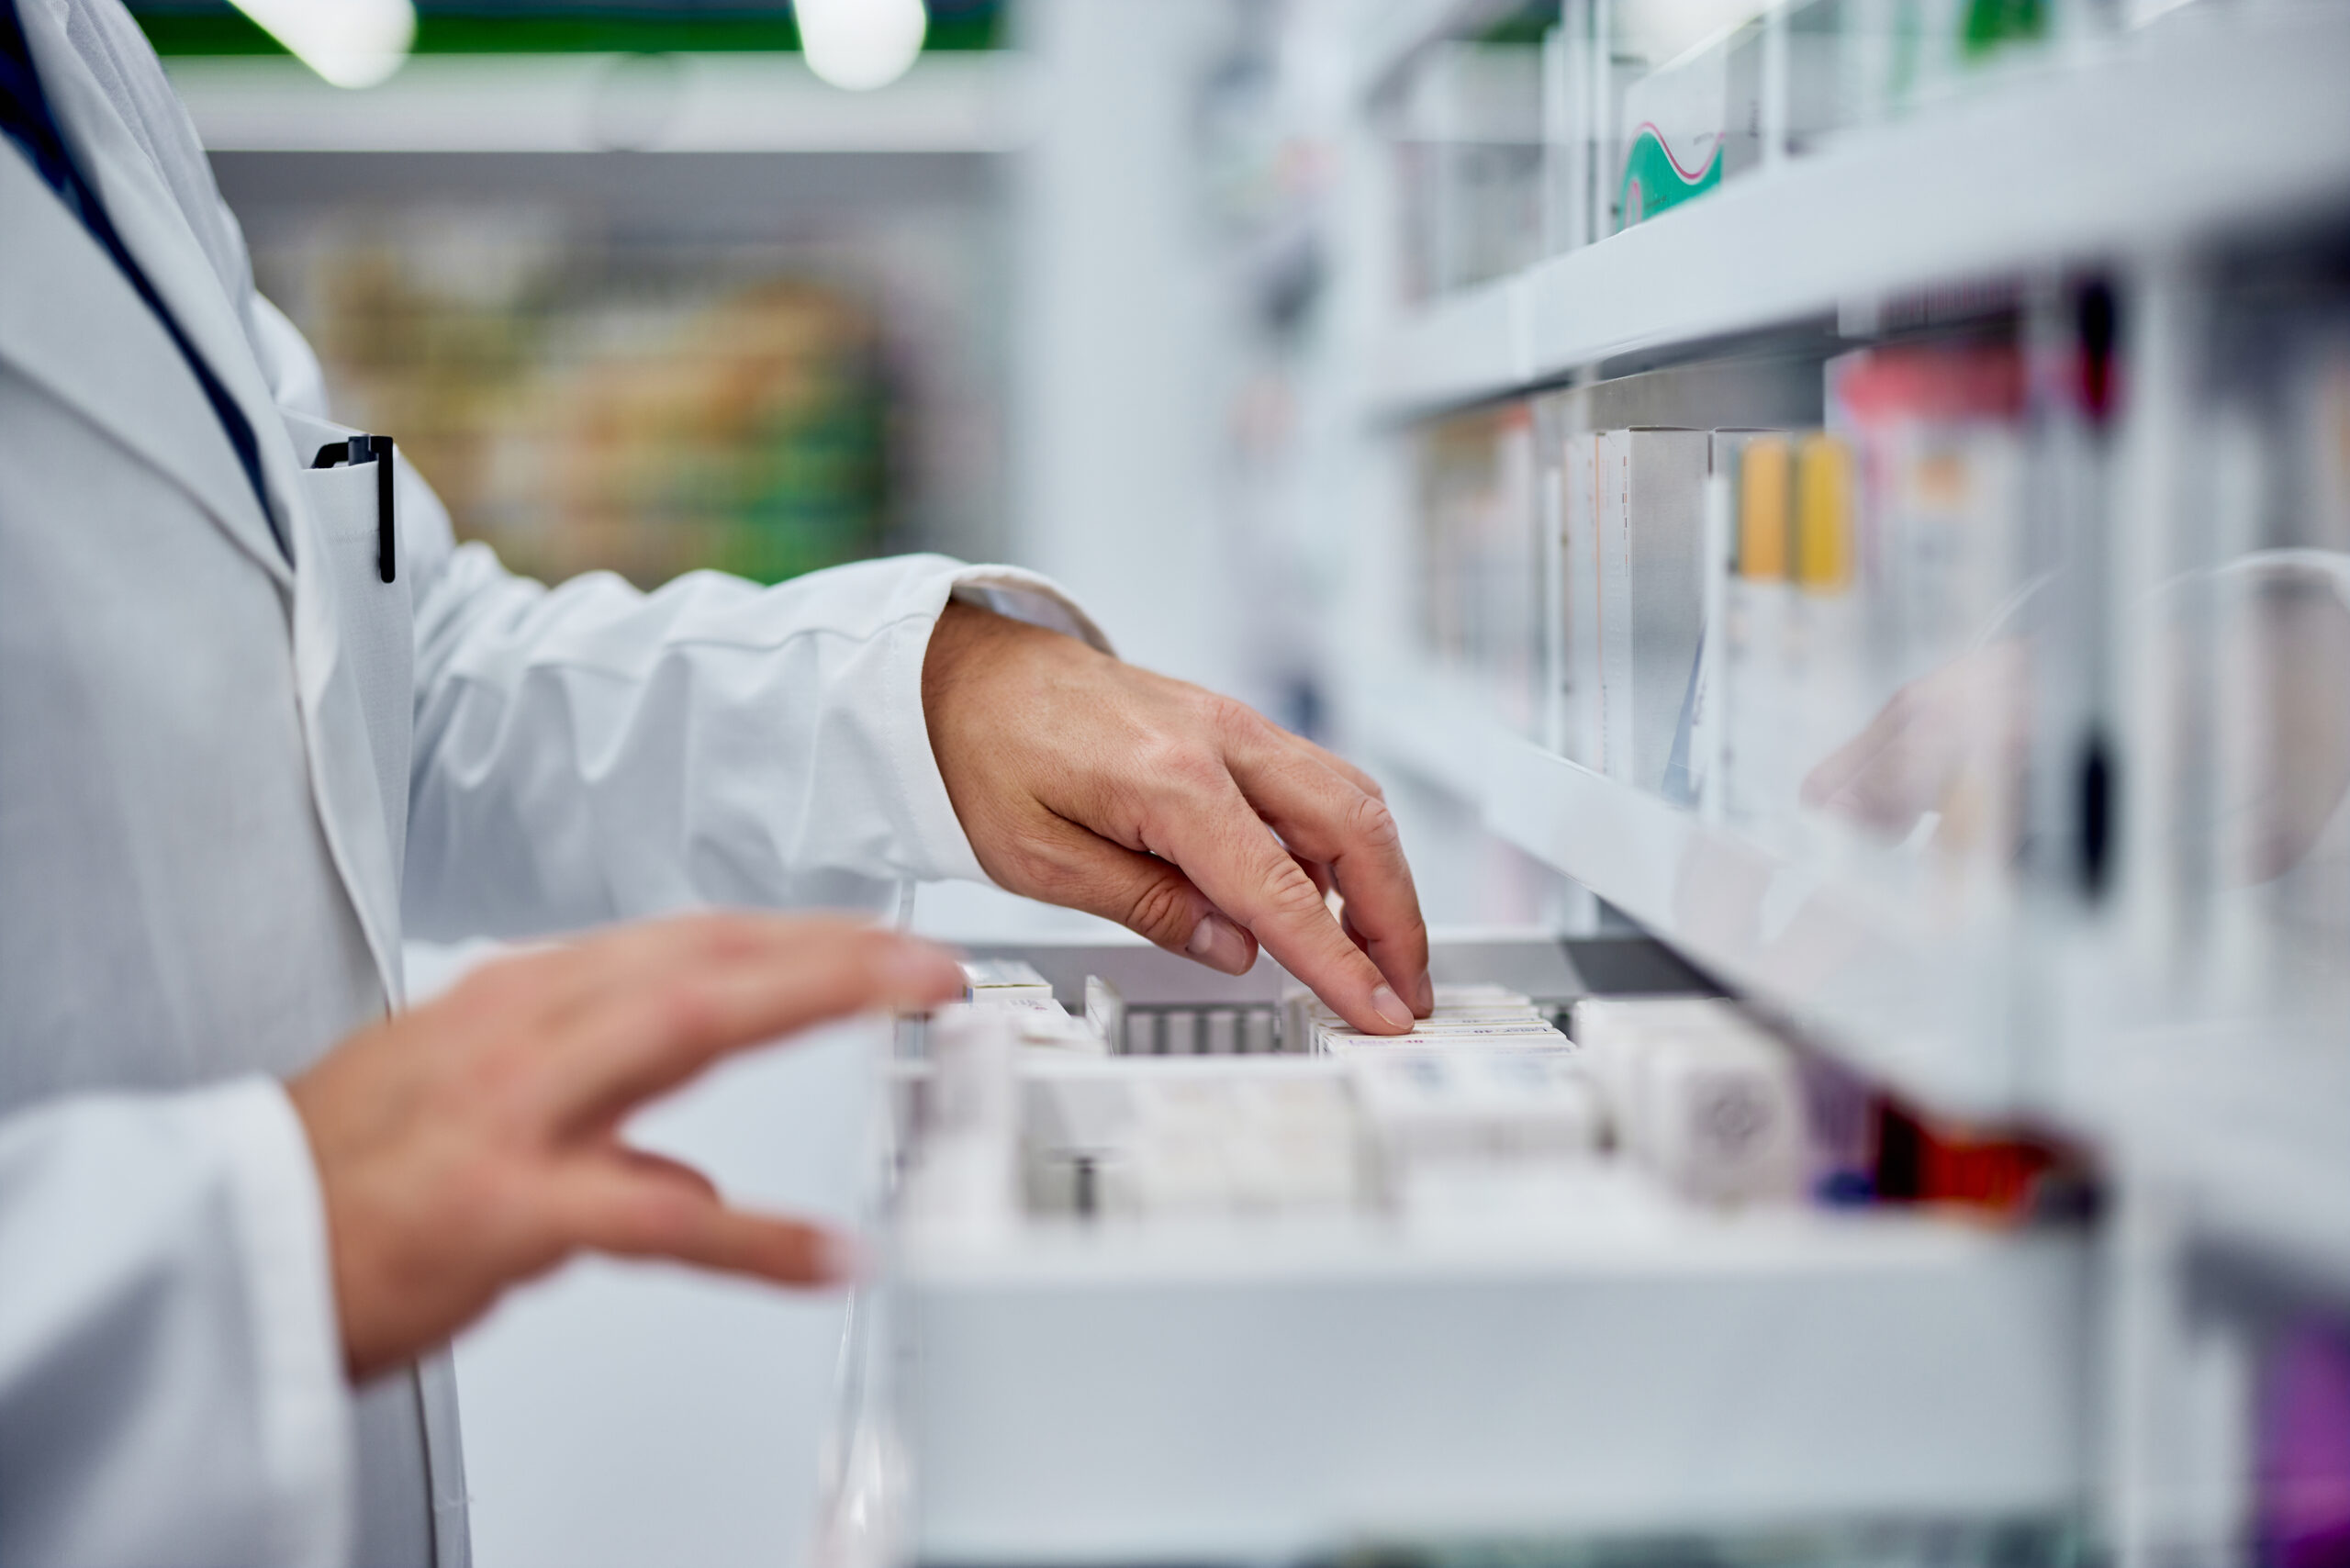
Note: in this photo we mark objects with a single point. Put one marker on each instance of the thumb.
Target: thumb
(1071, 866)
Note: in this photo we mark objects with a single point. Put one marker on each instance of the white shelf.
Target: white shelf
(1434, 724)
(593, 103)
(2249, 1121)
(2205, 126)
(1927, 1010)
(1472, 344)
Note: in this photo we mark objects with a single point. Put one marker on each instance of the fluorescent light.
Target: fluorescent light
(860, 44)
(351, 44)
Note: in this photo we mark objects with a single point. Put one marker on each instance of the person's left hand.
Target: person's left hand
(1182, 815)
(476, 1140)
(1955, 740)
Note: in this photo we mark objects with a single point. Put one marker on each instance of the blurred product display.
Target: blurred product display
(1858, 488)
(1470, 158)
(754, 362)
(1481, 556)
(651, 418)
(1550, 125)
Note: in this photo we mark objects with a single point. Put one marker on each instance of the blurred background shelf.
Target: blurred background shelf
(2212, 124)
(970, 101)
(1399, 30)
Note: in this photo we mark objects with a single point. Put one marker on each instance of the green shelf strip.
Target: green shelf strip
(223, 31)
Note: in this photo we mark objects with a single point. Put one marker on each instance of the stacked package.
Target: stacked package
(964, 1180)
(1013, 987)
(1700, 1095)
(1479, 1099)
(1466, 1126)
(1240, 1143)
(1479, 1014)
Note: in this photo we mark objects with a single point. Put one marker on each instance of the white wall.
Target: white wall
(1120, 336)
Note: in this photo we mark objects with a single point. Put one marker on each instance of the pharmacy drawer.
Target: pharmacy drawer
(1252, 1391)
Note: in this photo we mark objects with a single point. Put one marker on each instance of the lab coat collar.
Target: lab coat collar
(188, 445)
(108, 375)
(183, 438)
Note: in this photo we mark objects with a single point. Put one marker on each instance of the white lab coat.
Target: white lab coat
(227, 783)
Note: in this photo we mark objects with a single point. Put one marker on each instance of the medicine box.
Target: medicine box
(1691, 123)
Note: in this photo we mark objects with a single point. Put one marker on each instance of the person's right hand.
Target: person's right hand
(474, 1142)
(1186, 817)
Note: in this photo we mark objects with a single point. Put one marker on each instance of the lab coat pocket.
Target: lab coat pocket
(375, 626)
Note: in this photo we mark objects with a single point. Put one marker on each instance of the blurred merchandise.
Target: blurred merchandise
(1469, 135)
(1756, 765)
(1937, 430)
(1841, 1110)
(1701, 1098)
(1902, 54)
(1883, 1543)
(1921, 1161)
(1691, 123)
(1636, 499)
(2248, 634)
(648, 413)
(1884, 559)
(2303, 1465)
(1481, 555)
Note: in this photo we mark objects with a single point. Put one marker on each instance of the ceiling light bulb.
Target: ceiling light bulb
(351, 44)
(860, 44)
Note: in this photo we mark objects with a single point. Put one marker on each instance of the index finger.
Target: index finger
(1214, 834)
(1323, 816)
(683, 995)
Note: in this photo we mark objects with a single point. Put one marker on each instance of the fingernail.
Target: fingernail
(1427, 996)
(1219, 944)
(1390, 1006)
(839, 1260)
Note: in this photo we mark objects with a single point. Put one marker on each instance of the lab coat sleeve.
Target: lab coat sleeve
(589, 752)
(170, 1373)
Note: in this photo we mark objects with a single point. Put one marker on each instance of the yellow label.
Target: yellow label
(1763, 507)
(1824, 514)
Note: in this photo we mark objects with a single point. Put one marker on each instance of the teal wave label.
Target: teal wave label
(1653, 181)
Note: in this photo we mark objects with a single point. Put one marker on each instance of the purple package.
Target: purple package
(2304, 1480)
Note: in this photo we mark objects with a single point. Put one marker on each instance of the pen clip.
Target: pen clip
(375, 449)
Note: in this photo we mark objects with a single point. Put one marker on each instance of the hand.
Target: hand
(2283, 720)
(474, 1142)
(1179, 814)
(1954, 740)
